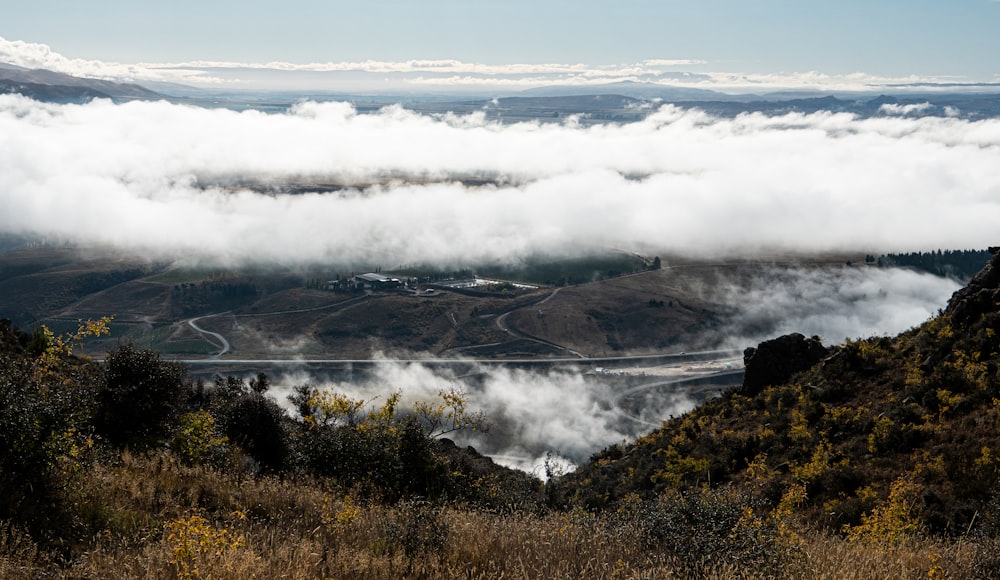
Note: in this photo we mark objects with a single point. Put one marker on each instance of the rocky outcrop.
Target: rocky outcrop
(980, 296)
(774, 361)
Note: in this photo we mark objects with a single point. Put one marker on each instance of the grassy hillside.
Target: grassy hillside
(883, 437)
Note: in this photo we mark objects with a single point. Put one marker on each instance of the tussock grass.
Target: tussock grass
(164, 519)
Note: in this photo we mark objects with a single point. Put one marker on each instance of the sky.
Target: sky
(740, 44)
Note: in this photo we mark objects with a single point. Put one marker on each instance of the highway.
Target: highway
(653, 359)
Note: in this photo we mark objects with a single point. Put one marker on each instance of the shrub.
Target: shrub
(705, 529)
(44, 428)
(894, 520)
(141, 398)
(253, 421)
(197, 438)
(195, 543)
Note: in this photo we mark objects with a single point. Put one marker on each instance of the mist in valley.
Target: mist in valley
(566, 413)
(837, 304)
(324, 184)
(169, 181)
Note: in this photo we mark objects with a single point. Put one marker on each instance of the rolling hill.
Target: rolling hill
(50, 86)
(605, 305)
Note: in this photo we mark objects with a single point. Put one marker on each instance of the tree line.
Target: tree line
(959, 264)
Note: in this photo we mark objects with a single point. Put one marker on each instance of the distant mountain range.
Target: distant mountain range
(619, 102)
(929, 103)
(46, 85)
(632, 89)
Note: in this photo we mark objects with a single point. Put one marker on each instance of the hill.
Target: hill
(608, 304)
(876, 437)
(50, 86)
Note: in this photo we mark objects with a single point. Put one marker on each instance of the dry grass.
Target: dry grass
(167, 520)
(830, 557)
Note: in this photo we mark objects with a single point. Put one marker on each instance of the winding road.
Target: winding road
(220, 341)
(617, 399)
(501, 322)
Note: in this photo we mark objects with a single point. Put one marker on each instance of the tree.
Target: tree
(141, 398)
(251, 420)
(449, 415)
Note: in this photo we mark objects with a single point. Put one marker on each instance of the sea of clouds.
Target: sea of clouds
(167, 179)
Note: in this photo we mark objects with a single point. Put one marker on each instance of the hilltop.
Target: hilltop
(608, 304)
(50, 86)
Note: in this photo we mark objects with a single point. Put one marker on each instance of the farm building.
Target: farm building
(376, 281)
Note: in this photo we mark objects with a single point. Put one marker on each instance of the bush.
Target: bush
(706, 529)
(44, 429)
(256, 424)
(197, 439)
(141, 398)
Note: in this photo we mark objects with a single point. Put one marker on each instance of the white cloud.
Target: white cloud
(896, 109)
(836, 304)
(41, 56)
(445, 74)
(671, 62)
(415, 66)
(163, 178)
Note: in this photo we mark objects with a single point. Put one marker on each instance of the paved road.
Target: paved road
(705, 355)
(222, 343)
(616, 400)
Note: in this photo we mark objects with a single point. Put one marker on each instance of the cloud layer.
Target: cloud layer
(159, 178)
(456, 76)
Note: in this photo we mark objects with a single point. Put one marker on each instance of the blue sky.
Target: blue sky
(878, 37)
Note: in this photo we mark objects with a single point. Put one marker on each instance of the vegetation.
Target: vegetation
(569, 271)
(885, 442)
(959, 264)
(212, 296)
(880, 461)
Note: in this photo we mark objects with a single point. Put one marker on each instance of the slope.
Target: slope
(46, 85)
(874, 436)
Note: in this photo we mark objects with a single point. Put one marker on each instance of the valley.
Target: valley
(287, 313)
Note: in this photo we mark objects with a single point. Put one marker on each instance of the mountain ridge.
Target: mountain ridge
(47, 85)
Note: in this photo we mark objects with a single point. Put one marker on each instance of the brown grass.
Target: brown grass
(166, 520)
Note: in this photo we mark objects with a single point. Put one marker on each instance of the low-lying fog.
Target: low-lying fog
(573, 412)
(834, 303)
(533, 413)
(164, 179)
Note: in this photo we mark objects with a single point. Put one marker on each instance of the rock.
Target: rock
(774, 361)
(980, 296)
